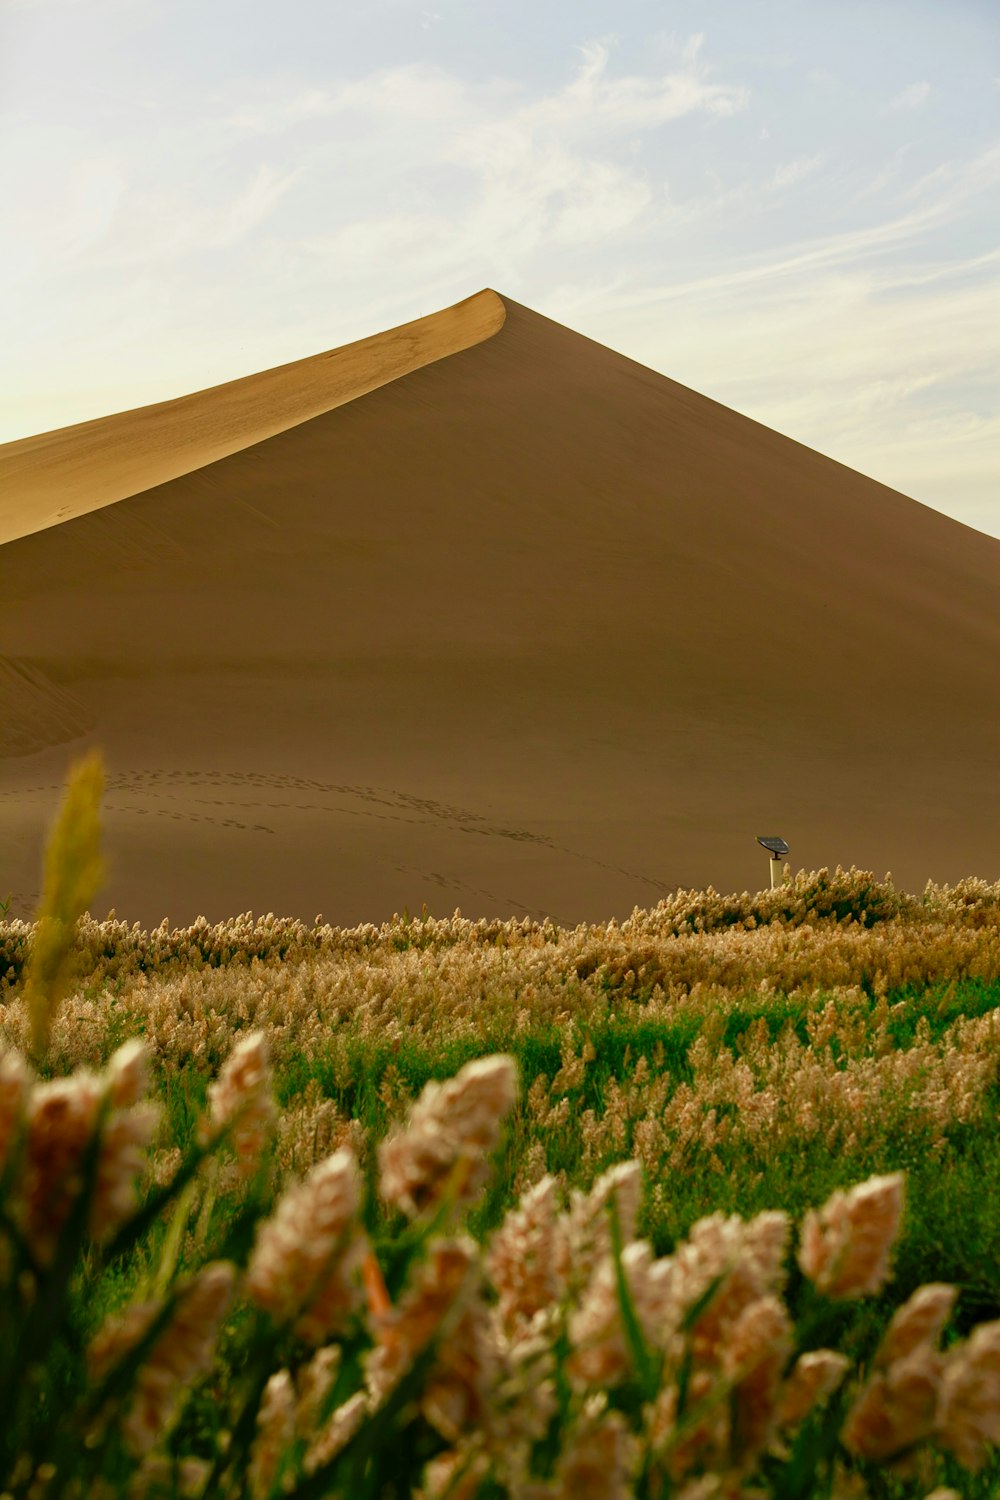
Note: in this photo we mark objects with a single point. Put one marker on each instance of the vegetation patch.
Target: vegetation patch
(698, 1205)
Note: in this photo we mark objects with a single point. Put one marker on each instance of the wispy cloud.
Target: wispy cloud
(413, 92)
(593, 100)
(528, 173)
(234, 220)
(791, 172)
(596, 100)
(914, 96)
(958, 185)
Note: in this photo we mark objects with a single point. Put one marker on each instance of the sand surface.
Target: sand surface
(478, 613)
(55, 476)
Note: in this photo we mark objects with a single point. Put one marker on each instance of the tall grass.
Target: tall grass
(501, 1209)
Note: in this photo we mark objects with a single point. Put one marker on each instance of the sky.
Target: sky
(788, 205)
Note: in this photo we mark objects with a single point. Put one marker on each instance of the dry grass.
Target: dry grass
(254, 1242)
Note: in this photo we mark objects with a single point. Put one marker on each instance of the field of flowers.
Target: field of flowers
(702, 1205)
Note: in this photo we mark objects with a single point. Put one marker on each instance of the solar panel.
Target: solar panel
(775, 845)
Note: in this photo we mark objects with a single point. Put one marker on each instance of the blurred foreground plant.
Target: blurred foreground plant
(563, 1359)
(74, 870)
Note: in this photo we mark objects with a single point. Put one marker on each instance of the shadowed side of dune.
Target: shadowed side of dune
(55, 476)
(529, 629)
(34, 712)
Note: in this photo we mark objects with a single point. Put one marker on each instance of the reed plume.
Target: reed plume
(74, 870)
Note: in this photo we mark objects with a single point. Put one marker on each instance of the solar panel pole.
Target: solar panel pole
(777, 849)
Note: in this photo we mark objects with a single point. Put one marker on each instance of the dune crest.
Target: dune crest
(54, 476)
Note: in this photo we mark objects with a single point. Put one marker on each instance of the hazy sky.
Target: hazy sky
(790, 205)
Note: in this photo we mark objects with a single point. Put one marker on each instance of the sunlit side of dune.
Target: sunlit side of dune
(58, 475)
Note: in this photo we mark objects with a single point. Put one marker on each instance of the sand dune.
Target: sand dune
(478, 613)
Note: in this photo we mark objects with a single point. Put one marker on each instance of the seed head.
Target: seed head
(336, 1432)
(599, 1457)
(815, 1376)
(920, 1320)
(451, 1129)
(127, 1074)
(62, 1117)
(585, 1231)
(896, 1410)
(314, 1383)
(15, 1081)
(182, 1353)
(522, 1258)
(74, 870)
(275, 1431)
(455, 1475)
(241, 1102)
(969, 1415)
(846, 1246)
(306, 1261)
(443, 1302)
(754, 1359)
(600, 1351)
(122, 1160)
(158, 1477)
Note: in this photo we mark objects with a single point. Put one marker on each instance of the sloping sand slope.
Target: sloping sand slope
(527, 629)
(55, 476)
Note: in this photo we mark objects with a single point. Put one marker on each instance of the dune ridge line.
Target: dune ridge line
(55, 476)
